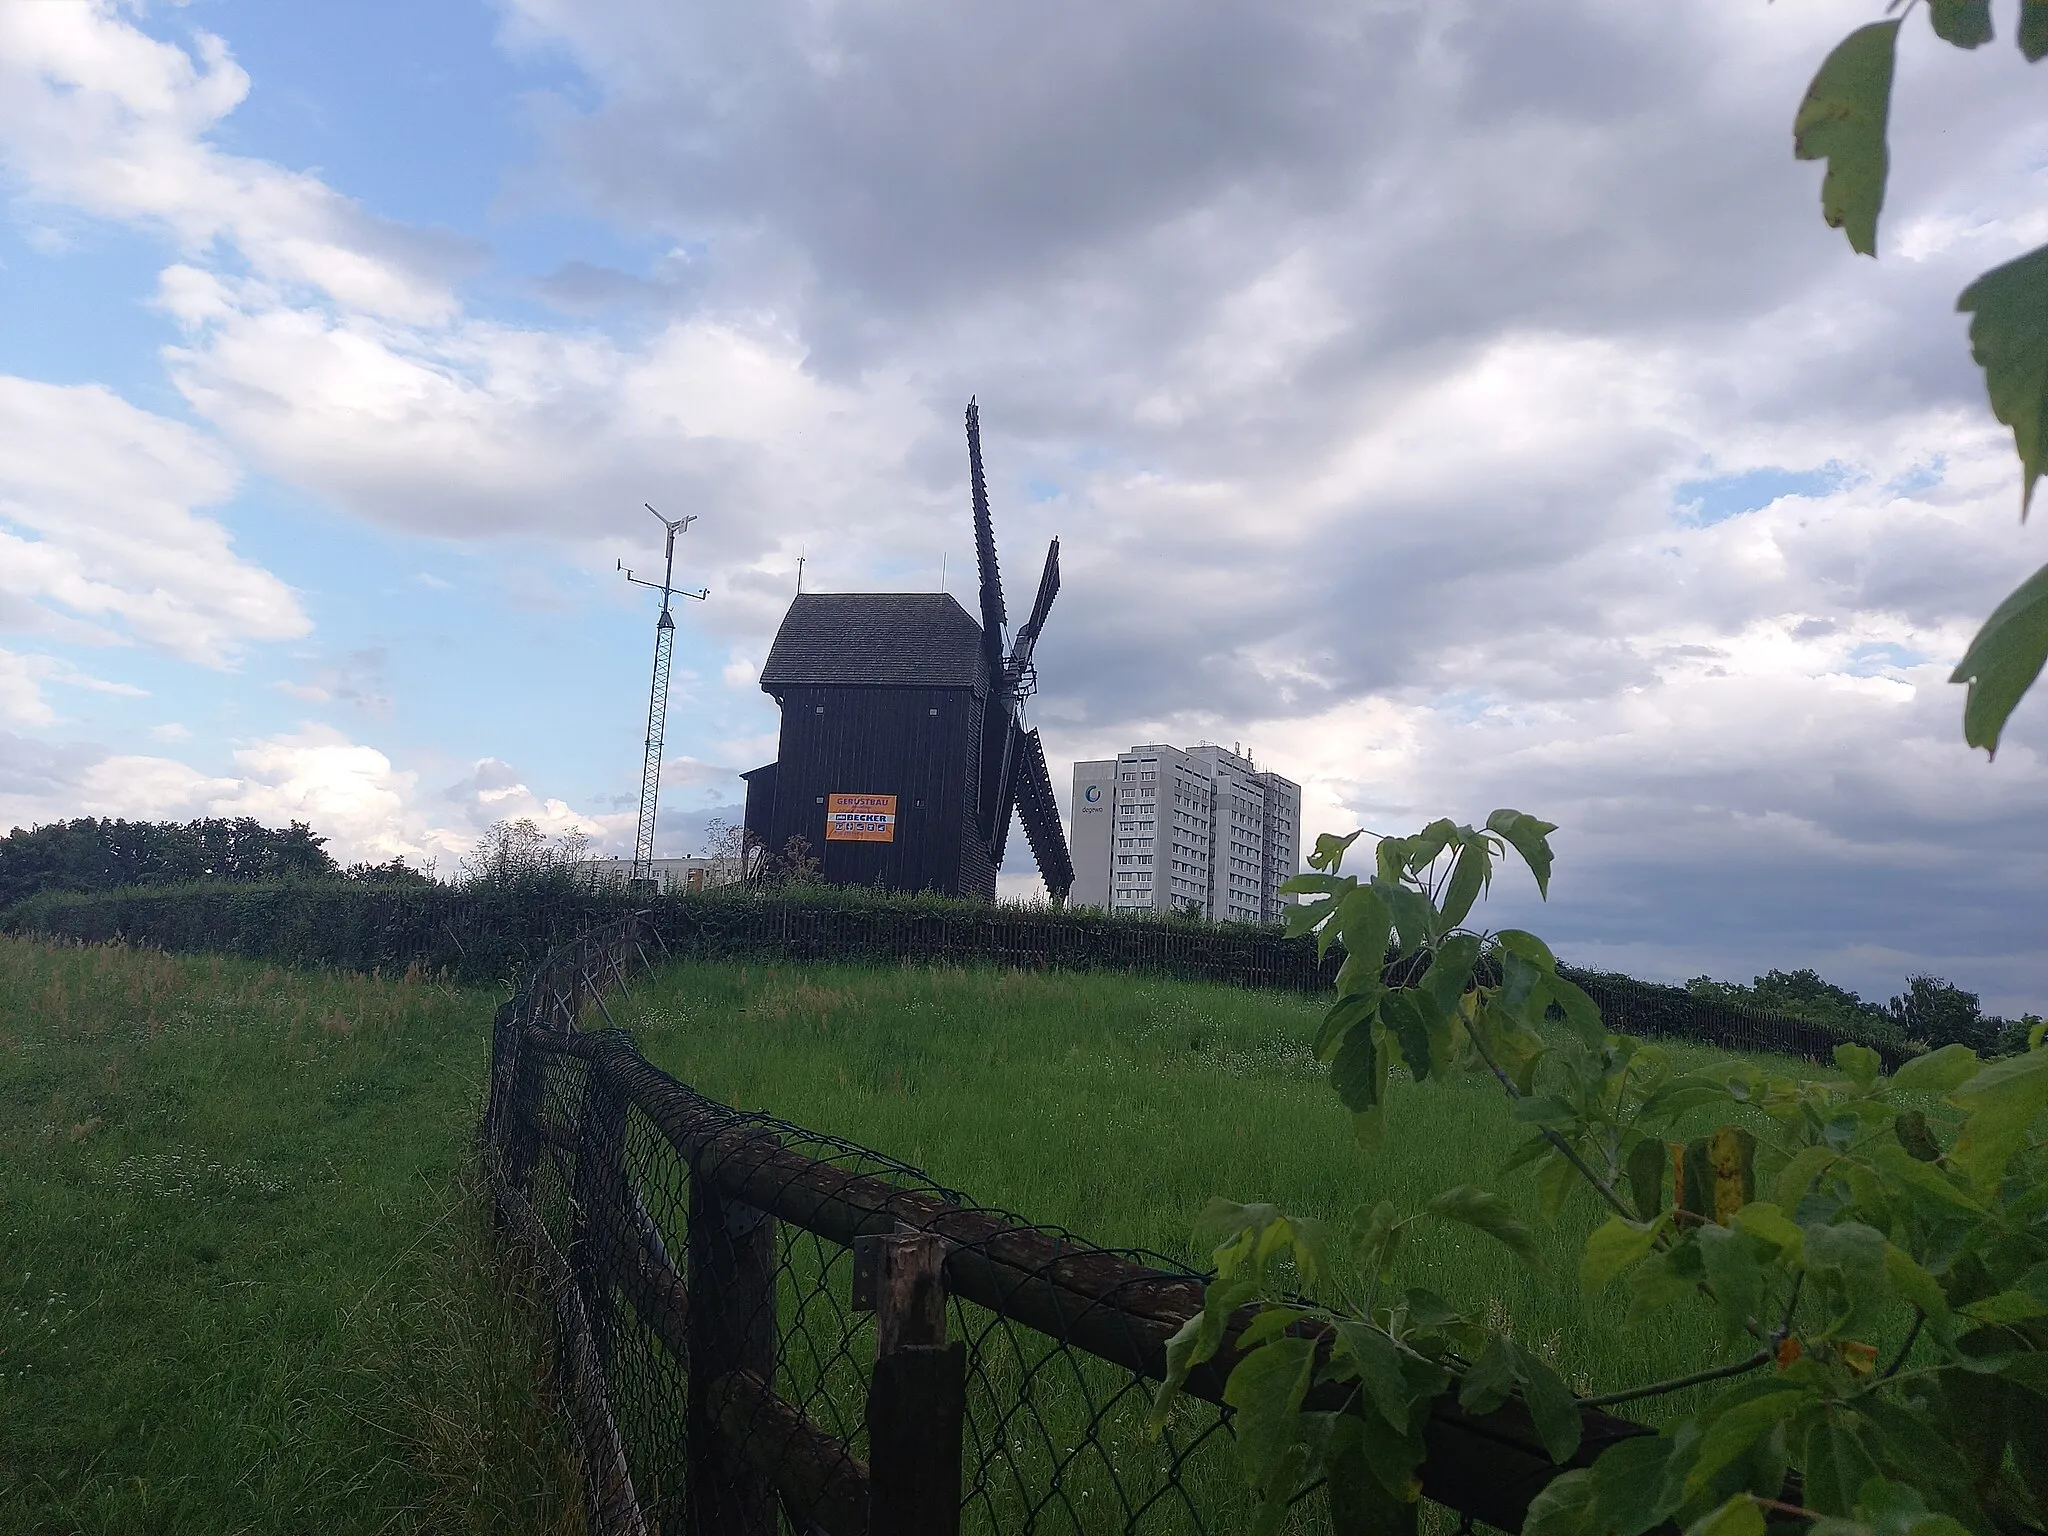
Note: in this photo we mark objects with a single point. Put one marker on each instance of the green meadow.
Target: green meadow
(247, 1283)
(1116, 1106)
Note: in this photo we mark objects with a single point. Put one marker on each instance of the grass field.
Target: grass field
(243, 1284)
(1117, 1106)
(245, 1287)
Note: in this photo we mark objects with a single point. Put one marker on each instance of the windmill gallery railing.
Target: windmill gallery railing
(760, 1329)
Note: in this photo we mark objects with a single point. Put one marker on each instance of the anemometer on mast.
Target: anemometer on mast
(657, 693)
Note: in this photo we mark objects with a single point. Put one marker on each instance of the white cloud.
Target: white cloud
(100, 538)
(352, 793)
(98, 116)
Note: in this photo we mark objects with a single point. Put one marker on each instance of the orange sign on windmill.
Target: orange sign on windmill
(860, 818)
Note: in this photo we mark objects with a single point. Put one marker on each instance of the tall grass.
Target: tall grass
(1117, 1106)
(244, 1282)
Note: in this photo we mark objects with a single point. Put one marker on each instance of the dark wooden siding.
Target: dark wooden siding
(914, 743)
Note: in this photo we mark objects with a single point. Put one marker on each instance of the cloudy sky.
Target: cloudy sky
(1458, 405)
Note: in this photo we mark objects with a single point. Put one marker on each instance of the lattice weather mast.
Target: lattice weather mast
(657, 692)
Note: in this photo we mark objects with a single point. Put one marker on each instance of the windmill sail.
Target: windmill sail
(1040, 814)
(1027, 637)
(994, 620)
(1014, 777)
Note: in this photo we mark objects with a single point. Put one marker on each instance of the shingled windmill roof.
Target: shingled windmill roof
(876, 640)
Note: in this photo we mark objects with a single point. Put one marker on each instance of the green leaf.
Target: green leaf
(2002, 1100)
(1375, 1241)
(1555, 1181)
(1938, 1071)
(1414, 919)
(1738, 1517)
(1360, 1460)
(1369, 1127)
(1432, 840)
(1965, 23)
(1362, 922)
(1490, 1380)
(1318, 884)
(1735, 1271)
(1412, 1019)
(2033, 34)
(1196, 1341)
(1837, 1462)
(1769, 1224)
(1732, 1433)
(1563, 1507)
(1329, 854)
(2006, 656)
(1628, 1485)
(1377, 1358)
(1450, 972)
(1912, 1281)
(1469, 877)
(1536, 1146)
(1266, 1389)
(1343, 1016)
(1490, 1214)
(1842, 120)
(1355, 1072)
(2007, 1307)
(2008, 307)
(1797, 1176)
(1530, 837)
(1551, 1405)
(1859, 1063)
(1613, 1247)
(1911, 1130)
(1304, 917)
(1647, 1160)
(1849, 1257)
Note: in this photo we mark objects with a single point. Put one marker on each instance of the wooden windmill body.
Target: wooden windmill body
(903, 751)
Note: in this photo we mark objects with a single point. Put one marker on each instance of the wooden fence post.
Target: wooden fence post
(522, 1120)
(917, 1397)
(732, 1327)
(598, 1205)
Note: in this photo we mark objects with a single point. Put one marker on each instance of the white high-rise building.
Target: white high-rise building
(1170, 829)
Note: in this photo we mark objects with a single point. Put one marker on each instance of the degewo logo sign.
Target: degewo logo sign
(860, 818)
(1091, 798)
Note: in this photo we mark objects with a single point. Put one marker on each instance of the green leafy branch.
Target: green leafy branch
(1844, 119)
(1921, 1196)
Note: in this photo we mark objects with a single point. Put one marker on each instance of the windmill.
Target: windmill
(904, 752)
(657, 694)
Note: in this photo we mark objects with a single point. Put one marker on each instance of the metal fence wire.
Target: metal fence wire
(764, 1330)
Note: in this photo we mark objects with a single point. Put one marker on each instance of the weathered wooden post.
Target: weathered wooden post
(731, 1328)
(521, 1132)
(598, 1201)
(917, 1398)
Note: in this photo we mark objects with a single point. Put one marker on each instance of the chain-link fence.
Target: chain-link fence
(765, 1330)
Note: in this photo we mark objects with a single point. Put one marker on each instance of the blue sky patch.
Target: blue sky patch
(1880, 660)
(1715, 499)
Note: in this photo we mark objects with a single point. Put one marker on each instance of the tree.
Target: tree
(88, 854)
(512, 852)
(1844, 119)
(1941, 1013)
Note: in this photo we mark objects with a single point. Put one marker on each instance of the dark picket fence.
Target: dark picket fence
(763, 1330)
(490, 935)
